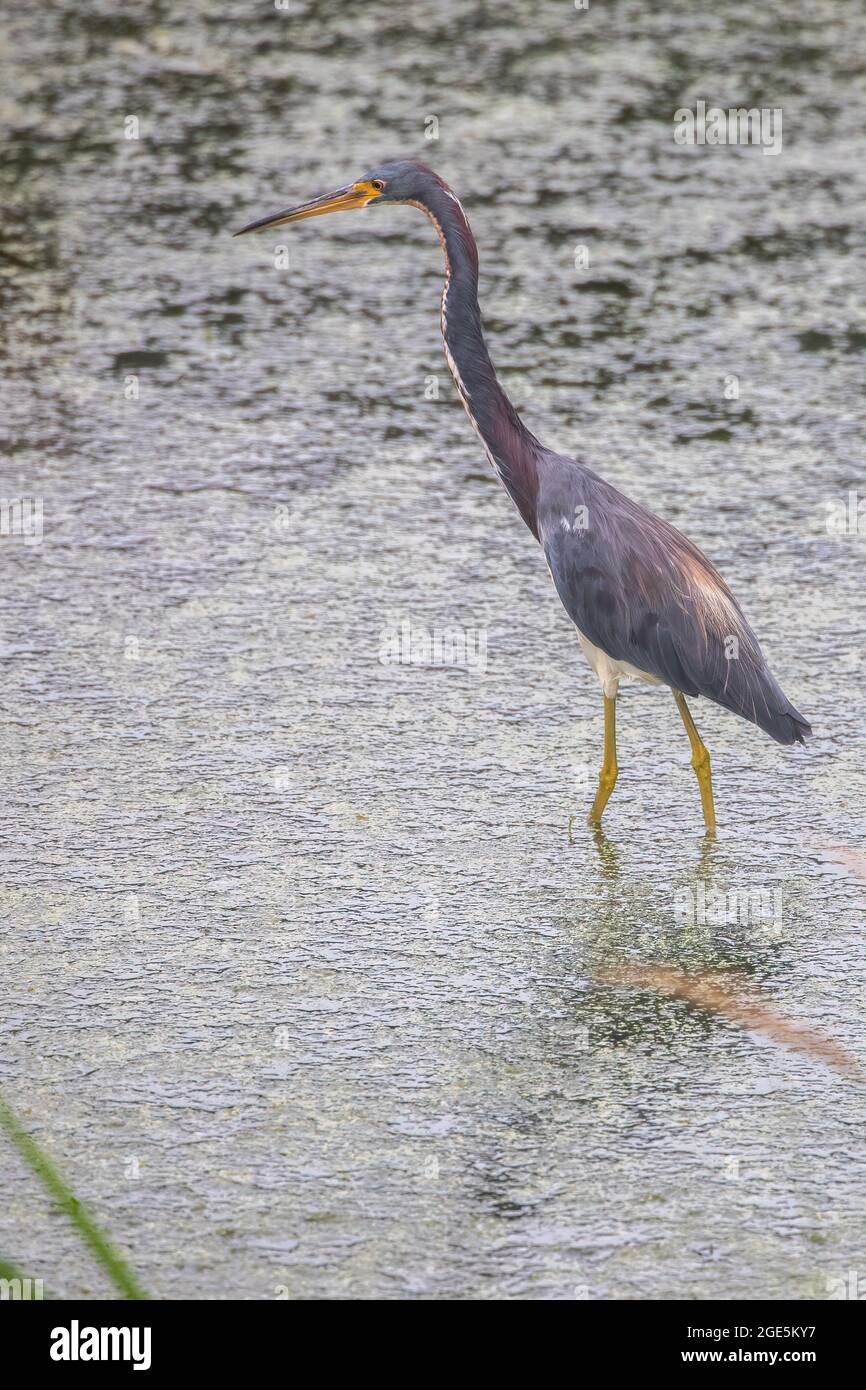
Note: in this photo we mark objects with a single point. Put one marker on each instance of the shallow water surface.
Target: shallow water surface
(305, 984)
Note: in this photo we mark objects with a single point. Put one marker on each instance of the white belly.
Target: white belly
(609, 671)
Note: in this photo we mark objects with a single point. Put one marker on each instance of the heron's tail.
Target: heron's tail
(788, 726)
(755, 694)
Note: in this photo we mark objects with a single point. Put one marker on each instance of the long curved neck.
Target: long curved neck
(509, 445)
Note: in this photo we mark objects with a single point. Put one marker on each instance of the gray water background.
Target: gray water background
(299, 964)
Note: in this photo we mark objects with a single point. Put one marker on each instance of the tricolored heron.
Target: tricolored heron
(646, 603)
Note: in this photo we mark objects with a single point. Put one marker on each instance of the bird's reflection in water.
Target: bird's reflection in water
(610, 858)
(647, 919)
(643, 968)
(628, 917)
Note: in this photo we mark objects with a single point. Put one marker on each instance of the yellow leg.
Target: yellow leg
(700, 761)
(607, 776)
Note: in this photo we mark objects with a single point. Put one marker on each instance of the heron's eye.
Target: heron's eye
(378, 184)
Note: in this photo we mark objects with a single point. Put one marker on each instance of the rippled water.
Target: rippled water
(300, 968)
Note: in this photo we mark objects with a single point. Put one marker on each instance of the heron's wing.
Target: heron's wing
(642, 592)
(631, 623)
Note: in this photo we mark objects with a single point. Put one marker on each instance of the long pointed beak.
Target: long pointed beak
(354, 195)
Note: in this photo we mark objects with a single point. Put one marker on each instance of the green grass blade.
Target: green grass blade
(39, 1163)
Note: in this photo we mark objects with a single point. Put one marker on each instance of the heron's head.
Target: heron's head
(398, 181)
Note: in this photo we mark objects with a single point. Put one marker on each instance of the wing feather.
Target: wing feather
(642, 592)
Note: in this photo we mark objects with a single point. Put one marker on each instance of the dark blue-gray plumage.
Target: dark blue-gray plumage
(645, 601)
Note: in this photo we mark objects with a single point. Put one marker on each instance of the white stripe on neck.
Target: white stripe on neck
(443, 321)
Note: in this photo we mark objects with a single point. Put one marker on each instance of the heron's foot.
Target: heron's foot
(606, 784)
(701, 765)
